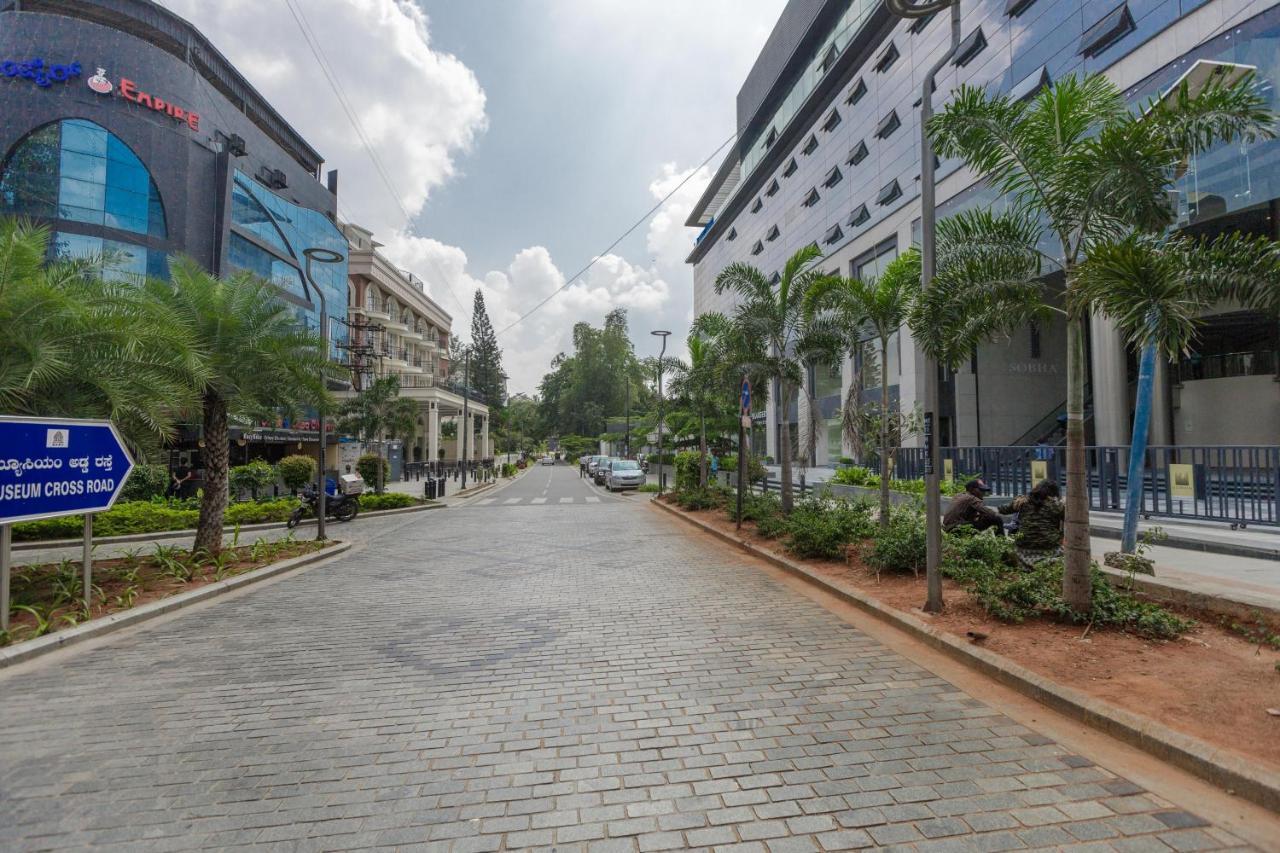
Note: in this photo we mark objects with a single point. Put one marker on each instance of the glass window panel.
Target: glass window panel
(84, 167)
(84, 136)
(121, 202)
(29, 180)
(123, 261)
(119, 152)
(128, 176)
(76, 245)
(155, 213)
(82, 194)
(157, 264)
(91, 215)
(248, 212)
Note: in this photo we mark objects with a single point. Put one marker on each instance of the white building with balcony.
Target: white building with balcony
(398, 330)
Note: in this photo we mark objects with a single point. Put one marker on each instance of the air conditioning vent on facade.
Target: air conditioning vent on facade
(1114, 26)
(888, 125)
(973, 44)
(858, 153)
(889, 193)
(235, 145)
(278, 180)
(860, 216)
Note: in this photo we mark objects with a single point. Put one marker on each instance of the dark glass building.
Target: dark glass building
(126, 132)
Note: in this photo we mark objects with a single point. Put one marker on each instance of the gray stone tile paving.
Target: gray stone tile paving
(536, 677)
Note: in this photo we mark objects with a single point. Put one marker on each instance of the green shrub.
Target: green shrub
(387, 500)
(772, 526)
(508, 469)
(145, 482)
(868, 479)
(754, 507)
(251, 478)
(697, 498)
(367, 466)
(854, 476)
(296, 471)
(755, 468)
(821, 529)
(900, 548)
(687, 469)
(259, 512)
(649, 487)
(1012, 594)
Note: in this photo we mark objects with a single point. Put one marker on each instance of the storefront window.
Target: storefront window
(79, 171)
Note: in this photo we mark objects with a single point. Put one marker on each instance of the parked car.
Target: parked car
(624, 474)
(602, 468)
(548, 460)
(593, 462)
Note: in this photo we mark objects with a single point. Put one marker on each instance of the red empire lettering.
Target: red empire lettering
(144, 99)
(193, 121)
(128, 89)
(158, 105)
(179, 113)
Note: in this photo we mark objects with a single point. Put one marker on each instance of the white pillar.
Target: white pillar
(1110, 384)
(433, 433)
(485, 452)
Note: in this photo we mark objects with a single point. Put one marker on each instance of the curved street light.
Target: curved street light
(320, 256)
(663, 334)
(928, 223)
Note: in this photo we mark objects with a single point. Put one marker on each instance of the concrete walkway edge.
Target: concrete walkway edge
(94, 628)
(1214, 765)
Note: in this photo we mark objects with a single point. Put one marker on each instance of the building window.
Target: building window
(889, 193)
(732, 235)
(832, 122)
(1014, 8)
(857, 92)
(871, 264)
(833, 177)
(812, 198)
(791, 168)
(918, 25)
(859, 216)
(79, 171)
(858, 153)
(887, 58)
(1114, 26)
(773, 234)
(755, 207)
(828, 59)
(888, 125)
(973, 44)
(771, 138)
(812, 145)
(116, 260)
(773, 188)
(757, 248)
(1031, 84)
(834, 234)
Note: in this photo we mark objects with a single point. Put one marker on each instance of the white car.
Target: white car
(547, 460)
(623, 474)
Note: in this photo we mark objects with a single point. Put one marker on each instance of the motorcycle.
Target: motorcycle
(340, 507)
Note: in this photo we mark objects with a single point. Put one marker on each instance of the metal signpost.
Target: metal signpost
(51, 467)
(744, 423)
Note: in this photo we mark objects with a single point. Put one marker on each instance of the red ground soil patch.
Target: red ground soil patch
(1212, 684)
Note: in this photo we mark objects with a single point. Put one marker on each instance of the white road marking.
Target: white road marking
(592, 499)
(539, 500)
(510, 501)
(566, 500)
(485, 502)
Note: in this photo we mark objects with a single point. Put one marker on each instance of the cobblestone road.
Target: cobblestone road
(536, 676)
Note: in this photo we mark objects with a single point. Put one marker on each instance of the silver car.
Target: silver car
(624, 474)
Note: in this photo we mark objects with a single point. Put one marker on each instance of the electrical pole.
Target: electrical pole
(661, 333)
(466, 428)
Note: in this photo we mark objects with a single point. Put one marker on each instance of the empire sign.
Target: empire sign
(131, 92)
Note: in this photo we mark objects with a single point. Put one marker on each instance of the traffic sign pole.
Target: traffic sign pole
(6, 533)
(87, 556)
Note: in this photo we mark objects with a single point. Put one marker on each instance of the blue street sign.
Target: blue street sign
(746, 396)
(58, 466)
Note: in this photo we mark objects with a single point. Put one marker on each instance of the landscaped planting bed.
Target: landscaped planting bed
(49, 597)
(1189, 671)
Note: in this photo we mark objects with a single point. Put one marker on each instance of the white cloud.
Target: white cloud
(422, 109)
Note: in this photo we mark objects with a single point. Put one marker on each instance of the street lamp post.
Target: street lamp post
(928, 234)
(626, 443)
(466, 428)
(321, 256)
(663, 334)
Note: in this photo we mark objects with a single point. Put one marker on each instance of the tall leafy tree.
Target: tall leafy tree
(486, 356)
(856, 310)
(377, 413)
(771, 333)
(254, 358)
(699, 384)
(1076, 164)
(78, 346)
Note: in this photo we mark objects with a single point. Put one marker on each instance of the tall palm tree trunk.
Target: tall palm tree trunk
(1075, 576)
(884, 433)
(784, 452)
(702, 450)
(216, 450)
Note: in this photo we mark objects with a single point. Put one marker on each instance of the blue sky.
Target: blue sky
(521, 136)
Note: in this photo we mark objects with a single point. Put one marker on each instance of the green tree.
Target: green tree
(700, 385)
(854, 309)
(77, 346)
(378, 413)
(255, 358)
(770, 332)
(486, 357)
(1076, 163)
(296, 471)
(583, 389)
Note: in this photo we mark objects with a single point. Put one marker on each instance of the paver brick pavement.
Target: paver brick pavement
(528, 677)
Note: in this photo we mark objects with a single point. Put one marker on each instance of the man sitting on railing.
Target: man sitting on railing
(968, 509)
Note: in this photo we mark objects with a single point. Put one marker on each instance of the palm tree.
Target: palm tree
(851, 308)
(1077, 164)
(255, 359)
(700, 384)
(78, 346)
(379, 412)
(769, 326)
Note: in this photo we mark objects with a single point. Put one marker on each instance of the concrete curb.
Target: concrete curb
(1237, 604)
(1214, 765)
(1226, 549)
(40, 646)
(41, 544)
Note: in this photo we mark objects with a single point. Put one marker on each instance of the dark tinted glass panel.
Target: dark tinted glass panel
(29, 179)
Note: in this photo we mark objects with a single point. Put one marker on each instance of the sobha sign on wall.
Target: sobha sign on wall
(38, 71)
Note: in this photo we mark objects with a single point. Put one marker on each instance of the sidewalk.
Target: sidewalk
(452, 488)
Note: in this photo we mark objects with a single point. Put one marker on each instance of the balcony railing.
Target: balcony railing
(1223, 365)
(415, 380)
